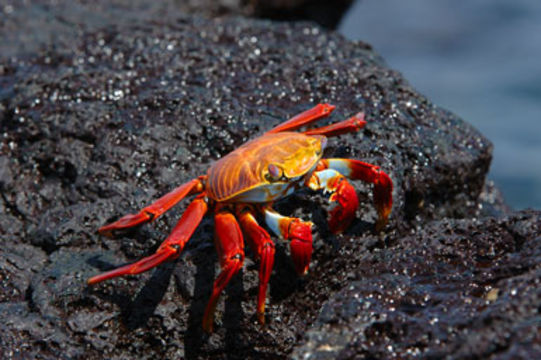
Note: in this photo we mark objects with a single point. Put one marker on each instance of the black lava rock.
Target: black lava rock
(452, 288)
(105, 106)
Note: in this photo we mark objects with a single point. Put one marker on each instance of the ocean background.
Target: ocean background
(481, 59)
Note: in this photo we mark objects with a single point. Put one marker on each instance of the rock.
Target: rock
(105, 108)
(454, 288)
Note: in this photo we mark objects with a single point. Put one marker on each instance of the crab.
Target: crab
(240, 189)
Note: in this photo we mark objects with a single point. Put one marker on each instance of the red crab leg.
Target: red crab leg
(169, 249)
(263, 247)
(298, 232)
(354, 123)
(155, 209)
(383, 186)
(343, 196)
(230, 248)
(317, 112)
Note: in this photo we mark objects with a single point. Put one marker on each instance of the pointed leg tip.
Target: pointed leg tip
(383, 217)
(360, 120)
(208, 322)
(98, 278)
(381, 223)
(126, 222)
(261, 317)
(208, 329)
(336, 230)
(105, 231)
(302, 269)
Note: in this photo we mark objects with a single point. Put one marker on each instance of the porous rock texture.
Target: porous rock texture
(105, 108)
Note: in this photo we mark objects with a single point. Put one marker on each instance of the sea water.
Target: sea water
(481, 59)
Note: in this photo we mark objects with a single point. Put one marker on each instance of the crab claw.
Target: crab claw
(345, 202)
(300, 234)
(343, 198)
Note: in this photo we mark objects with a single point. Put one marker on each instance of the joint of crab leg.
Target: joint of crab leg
(317, 112)
(170, 249)
(230, 247)
(155, 209)
(263, 248)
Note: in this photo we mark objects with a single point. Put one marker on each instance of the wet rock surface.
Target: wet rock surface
(107, 111)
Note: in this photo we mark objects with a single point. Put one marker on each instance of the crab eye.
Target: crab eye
(275, 173)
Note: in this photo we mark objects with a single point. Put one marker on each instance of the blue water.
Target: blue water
(480, 59)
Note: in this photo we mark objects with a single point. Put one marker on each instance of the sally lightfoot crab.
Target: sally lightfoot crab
(241, 187)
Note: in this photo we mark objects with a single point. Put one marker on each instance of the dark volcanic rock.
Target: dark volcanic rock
(460, 288)
(104, 108)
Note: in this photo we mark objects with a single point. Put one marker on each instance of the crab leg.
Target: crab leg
(358, 170)
(296, 230)
(354, 123)
(230, 248)
(317, 112)
(263, 247)
(155, 209)
(170, 249)
(343, 196)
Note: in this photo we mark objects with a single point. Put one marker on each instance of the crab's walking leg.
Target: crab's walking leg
(170, 248)
(298, 232)
(230, 248)
(155, 209)
(358, 170)
(263, 247)
(354, 123)
(343, 196)
(317, 112)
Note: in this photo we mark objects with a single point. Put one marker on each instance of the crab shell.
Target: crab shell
(265, 169)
